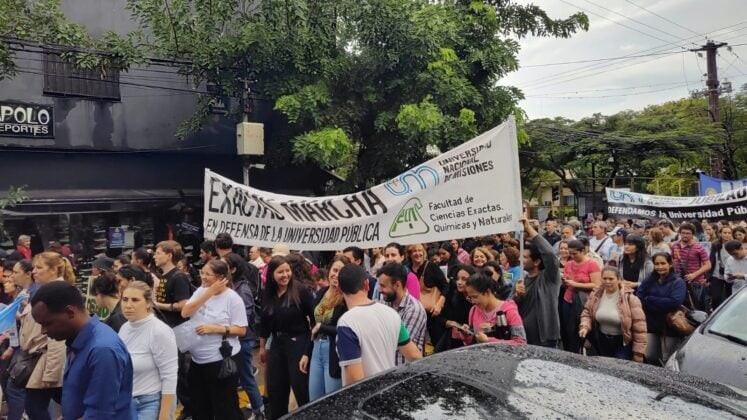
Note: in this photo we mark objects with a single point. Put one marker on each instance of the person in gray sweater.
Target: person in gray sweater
(537, 295)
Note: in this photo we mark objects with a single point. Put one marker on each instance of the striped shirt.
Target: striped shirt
(413, 316)
(689, 259)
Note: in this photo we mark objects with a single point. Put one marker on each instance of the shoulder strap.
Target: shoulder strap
(601, 244)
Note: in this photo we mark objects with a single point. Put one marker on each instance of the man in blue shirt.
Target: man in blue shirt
(98, 377)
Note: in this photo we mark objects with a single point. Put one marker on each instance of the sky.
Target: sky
(619, 28)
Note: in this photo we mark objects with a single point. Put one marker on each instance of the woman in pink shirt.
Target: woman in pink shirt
(581, 275)
(493, 318)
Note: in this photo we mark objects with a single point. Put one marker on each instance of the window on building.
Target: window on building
(63, 78)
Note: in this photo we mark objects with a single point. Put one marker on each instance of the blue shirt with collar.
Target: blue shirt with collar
(98, 377)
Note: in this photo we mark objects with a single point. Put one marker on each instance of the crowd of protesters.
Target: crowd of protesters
(604, 289)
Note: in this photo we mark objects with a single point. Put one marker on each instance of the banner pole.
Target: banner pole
(520, 233)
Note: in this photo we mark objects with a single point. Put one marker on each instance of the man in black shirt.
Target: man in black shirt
(173, 290)
(172, 294)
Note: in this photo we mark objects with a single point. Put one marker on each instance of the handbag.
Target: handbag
(22, 368)
(228, 367)
(677, 319)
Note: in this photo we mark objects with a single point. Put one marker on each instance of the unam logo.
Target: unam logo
(413, 180)
(409, 221)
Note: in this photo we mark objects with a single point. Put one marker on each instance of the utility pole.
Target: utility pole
(713, 92)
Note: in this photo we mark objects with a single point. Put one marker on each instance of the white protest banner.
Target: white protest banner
(472, 190)
(731, 205)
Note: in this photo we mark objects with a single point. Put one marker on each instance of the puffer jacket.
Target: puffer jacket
(50, 368)
(632, 318)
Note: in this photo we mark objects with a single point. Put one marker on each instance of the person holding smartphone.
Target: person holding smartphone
(493, 318)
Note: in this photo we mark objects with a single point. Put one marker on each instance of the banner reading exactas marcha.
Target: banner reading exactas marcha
(727, 205)
(472, 190)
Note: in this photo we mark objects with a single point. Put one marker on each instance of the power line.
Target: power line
(608, 96)
(615, 88)
(599, 59)
(633, 20)
(663, 18)
(557, 78)
(615, 22)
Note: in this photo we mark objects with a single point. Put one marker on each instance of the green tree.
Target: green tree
(377, 81)
(667, 141)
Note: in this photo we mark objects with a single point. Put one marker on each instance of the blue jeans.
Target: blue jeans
(147, 407)
(320, 383)
(246, 376)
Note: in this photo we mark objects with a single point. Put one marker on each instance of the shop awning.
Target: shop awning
(42, 202)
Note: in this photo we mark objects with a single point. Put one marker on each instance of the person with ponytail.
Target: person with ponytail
(220, 317)
(493, 318)
(45, 382)
(143, 259)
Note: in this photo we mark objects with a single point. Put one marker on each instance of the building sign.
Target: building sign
(26, 120)
(472, 190)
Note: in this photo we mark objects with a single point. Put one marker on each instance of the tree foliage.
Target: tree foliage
(393, 75)
(664, 143)
(42, 21)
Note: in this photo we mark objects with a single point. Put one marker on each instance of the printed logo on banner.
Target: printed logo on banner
(402, 184)
(624, 196)
(711, 191)
(409, 221)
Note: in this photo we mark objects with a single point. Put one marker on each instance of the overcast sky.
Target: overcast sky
(579, 90)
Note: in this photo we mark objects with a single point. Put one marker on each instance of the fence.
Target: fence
(591, 197)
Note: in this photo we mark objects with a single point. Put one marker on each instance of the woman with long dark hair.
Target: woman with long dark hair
(494, 317)
(433, 290)
(287, 317)
(455, 314)
(661, 293)
(221, 319)
(634, 266)
(144, 260)
(447, 259)
(243, 276)
(325, 375)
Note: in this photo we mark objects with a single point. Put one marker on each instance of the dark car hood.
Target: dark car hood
(715, 358)
(494, 381)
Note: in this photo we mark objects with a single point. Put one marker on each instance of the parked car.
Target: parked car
(492, 381)
(717, 349)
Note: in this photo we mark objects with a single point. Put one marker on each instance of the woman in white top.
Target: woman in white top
(152, 346)
(219, 314)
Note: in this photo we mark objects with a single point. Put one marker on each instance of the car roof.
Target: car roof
(489, 380)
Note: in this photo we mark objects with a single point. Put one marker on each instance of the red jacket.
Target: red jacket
(25, 251)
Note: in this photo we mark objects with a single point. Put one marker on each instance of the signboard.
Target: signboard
(730, 205)
(120, 237)
(472, 190)
(26, 120)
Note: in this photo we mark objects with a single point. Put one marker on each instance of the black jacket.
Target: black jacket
(330, 330)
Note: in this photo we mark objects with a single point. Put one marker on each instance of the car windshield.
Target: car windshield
(729, 322)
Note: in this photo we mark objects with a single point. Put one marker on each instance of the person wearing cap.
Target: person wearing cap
(101, 265)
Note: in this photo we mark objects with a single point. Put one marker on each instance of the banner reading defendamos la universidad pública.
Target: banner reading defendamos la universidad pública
(730, 205)
(471, 190)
